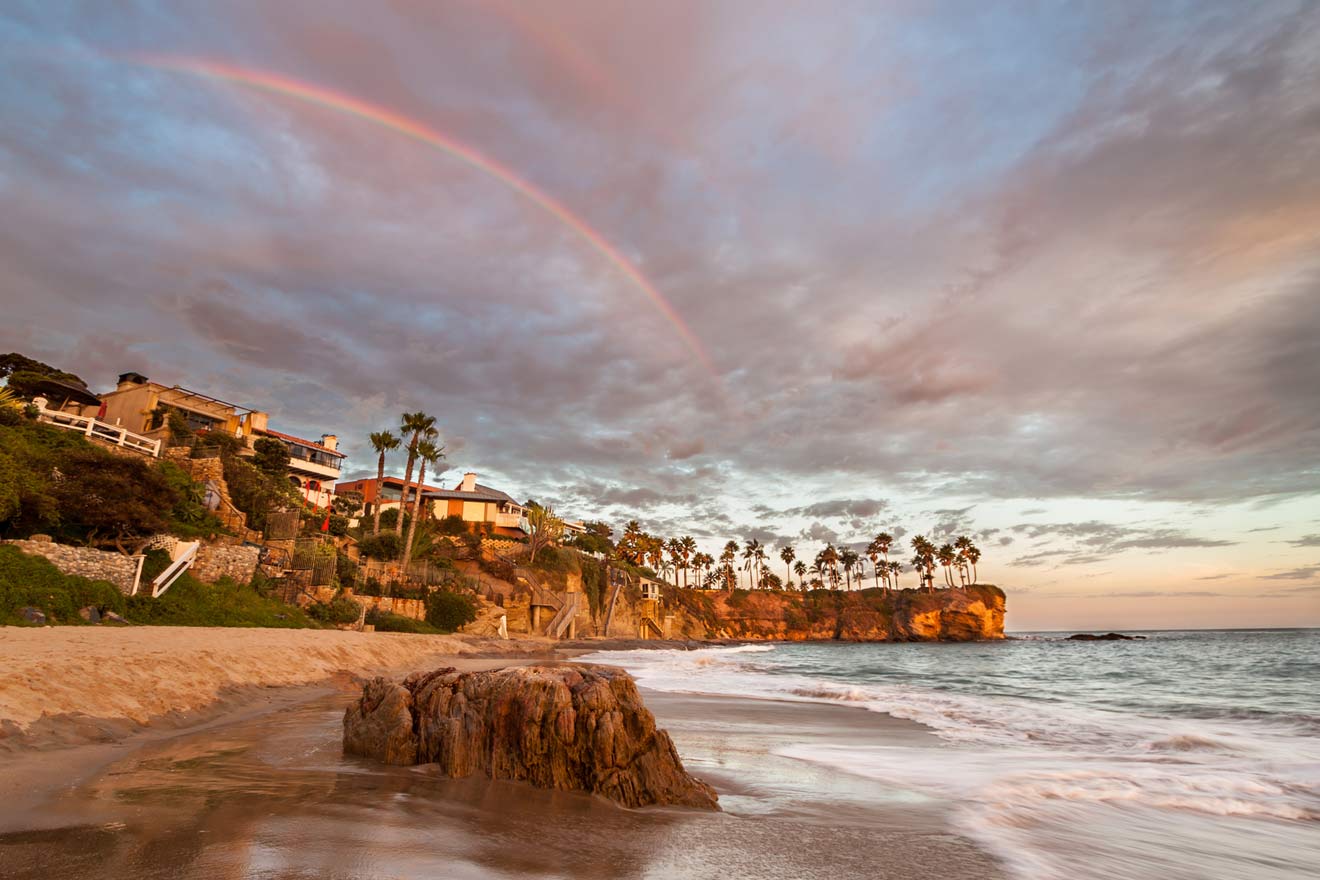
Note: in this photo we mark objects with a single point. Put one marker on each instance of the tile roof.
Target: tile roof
(480, 493)
(301, 442)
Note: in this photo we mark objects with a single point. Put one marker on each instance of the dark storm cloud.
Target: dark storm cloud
(1102, 285)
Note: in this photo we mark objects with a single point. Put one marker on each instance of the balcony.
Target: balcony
(511, 521)
(314, 469)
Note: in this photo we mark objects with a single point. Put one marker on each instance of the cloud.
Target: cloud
(1300, 573)
(893, 317)
(1306, 541)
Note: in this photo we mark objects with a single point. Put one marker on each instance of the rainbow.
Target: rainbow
(412, 128)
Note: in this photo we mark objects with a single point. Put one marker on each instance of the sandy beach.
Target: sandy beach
(254, 782)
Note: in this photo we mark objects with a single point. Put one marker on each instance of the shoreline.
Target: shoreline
(266, 771)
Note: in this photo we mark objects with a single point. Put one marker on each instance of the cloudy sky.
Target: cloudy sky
(1044, 273)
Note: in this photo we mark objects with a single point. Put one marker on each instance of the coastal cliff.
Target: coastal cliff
(974, 613)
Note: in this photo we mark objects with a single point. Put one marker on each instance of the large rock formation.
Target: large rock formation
(563, 727)
(972, 613)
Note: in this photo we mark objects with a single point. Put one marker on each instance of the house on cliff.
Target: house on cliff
(143, 407)
(480, 507)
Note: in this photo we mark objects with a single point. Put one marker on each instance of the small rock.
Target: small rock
(32, 615)
(91, 614)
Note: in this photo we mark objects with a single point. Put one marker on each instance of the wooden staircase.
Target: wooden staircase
(563, 619)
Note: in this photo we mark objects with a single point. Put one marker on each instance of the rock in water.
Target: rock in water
(573, 728)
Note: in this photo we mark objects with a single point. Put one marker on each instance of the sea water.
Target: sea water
(1180, 755)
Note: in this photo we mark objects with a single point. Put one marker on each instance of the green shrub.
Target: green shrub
(385, 621)
(341, 609)
(190, 602)
(452, 525)
(447, 611)
(385, 546)
(31, 581)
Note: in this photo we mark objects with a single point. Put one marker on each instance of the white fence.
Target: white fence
(101, 431)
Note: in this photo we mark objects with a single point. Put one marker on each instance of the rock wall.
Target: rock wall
(974, 613)
(99, 565)
(412, 608)
(237, 562)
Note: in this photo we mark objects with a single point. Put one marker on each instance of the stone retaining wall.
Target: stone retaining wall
(214, 561)
(99, 565)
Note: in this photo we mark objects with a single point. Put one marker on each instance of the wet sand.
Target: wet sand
(268, 793)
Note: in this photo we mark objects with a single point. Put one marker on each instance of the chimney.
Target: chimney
(127, 380)
(469, 482)
(330, 441)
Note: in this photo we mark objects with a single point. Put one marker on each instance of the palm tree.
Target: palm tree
(753, 553)
(894, 568)
(427, 453)
(973, 557)
(675, 548)
(800, 569)
(688, 545)
(848, 559)
(923, 560)
(947, 555)
(879, 546)
(421, 427)
(382, 442)
(727, 559)
(787, 553)
(630, 545)
(828, 562)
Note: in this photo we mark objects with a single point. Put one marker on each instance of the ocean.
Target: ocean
(1181, 755)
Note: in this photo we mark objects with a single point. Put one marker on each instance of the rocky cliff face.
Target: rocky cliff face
(563, 727)
(966, 614)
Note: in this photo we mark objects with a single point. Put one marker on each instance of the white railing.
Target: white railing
(511, 521)
(101, 431)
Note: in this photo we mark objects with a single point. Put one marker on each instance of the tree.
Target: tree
(753, 553)
(688, 544)
(24, 373)
(727, 558)
(630, 545)
(420, 426)
(947, 555)
(828, 561)
(848, 558)
(973, 557)
(894, 568)
(788, 554)
(382, 442)
(879, 547)
(800, 569)
(271, 457)
(427, 453)
(448, 611)
(923, 560)
(544, 526)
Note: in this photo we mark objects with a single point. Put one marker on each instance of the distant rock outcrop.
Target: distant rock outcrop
(965, 614)
(1107, 637)
(562, 727)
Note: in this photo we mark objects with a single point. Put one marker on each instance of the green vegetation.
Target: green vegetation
(192, 603)
(447, 610)
(33, 582)
(340, 609)
(30, 581)
(57, 482)
(23, 374)
(385, 621)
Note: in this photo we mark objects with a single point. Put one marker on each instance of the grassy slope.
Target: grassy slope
(32, 581)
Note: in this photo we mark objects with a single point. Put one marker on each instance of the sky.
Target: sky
(1047, 274)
